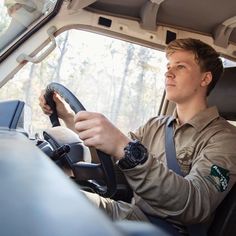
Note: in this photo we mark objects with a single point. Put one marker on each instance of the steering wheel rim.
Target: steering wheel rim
(106, 164)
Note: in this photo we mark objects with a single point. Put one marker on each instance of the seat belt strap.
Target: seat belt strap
(172, 163)
(171, 159)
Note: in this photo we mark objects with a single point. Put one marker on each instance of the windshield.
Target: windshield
(19, 16)
(122, 80)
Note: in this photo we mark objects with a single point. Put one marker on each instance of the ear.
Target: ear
(206, 79)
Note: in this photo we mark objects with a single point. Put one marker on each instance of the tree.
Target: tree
(116, 105)
(27, 87)
(62, 45)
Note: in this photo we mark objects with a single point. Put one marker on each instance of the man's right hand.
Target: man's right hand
(64, 111)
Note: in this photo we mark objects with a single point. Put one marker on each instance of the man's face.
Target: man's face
(183, 79)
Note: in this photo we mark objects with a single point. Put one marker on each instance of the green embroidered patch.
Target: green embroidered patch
(219, 177)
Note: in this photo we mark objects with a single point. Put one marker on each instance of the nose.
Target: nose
(169, 73)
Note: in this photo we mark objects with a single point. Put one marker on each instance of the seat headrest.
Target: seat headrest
(224, 94)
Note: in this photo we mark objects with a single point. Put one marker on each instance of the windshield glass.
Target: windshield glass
(18, 16)
(122, 80)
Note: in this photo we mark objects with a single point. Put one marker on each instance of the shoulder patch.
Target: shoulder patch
(219, 177)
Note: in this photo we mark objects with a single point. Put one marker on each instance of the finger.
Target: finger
(57, 98)
(42, 99)
(45, 106)
(47, 112)
(86, 115)
(92, 142)
(84, 125)
(46, 109)
(89, 133)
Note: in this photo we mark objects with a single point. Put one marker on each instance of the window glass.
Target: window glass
(228, 63)
(17, 16)
(122, 80)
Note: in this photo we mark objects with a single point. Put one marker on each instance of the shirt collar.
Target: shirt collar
(202, 119)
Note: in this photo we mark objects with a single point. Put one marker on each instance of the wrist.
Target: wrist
(69, 121)
(135, 153)
(120, 152)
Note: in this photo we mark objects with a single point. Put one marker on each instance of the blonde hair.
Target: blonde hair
(205, 55)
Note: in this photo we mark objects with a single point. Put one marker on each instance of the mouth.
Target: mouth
(170, 85)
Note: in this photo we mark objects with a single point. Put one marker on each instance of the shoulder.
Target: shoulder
(223, 126)
(223, 132)
(152, 126)
(157, 121)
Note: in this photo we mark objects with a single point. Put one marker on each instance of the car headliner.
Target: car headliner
(153, 23)
(206, 17)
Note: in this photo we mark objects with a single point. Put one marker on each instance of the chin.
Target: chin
(170, 97)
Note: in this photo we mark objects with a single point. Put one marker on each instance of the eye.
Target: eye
(180, 66)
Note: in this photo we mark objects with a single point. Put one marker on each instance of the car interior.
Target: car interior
(43, 171)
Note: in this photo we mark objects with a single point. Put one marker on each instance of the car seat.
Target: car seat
(224, 97)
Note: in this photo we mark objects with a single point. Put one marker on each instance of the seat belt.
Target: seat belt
(172, 163)
(171, 159)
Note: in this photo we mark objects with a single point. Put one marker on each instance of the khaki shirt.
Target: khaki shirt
(206, 152)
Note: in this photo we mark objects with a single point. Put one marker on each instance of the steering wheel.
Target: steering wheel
(83, 170)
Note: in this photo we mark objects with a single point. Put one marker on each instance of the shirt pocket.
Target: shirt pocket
(185, 157)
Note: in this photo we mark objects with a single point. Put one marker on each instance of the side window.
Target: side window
(19, 16)
(122, 80)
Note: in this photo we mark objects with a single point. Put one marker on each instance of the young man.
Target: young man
(204, 143)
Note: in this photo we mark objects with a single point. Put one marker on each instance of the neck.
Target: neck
(186, 111)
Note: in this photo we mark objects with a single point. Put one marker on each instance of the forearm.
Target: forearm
(69, 122)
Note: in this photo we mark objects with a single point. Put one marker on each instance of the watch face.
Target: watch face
(136, 153)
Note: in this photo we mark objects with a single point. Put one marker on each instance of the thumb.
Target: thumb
(57, 98)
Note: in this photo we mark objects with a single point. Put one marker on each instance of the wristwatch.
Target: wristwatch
(135, 154)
